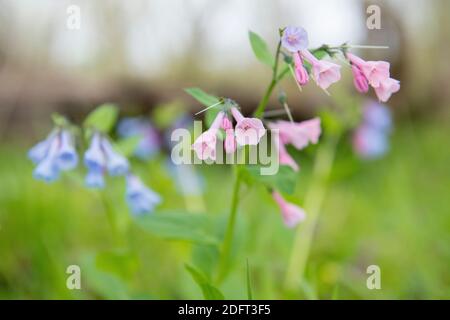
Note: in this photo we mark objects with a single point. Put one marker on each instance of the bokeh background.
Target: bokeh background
(393, 212)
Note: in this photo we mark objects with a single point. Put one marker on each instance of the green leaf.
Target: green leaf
(249, 285)
(105, 284)
(209, 291)
(178, 226)
(59, 120)
(284, 180)
(102, 118)
(127, 146)
(260, 49)
(122, 263)
(202, 97)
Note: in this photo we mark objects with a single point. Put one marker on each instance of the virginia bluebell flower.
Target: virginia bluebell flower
(38, 152)
(95, 179)
(294, 39)
(67, 155)
(47, 169)
(139, 197)
(371, 138)
(150, 142)
(94, 157)
(116, 163)
(56, 153)
(100, 157)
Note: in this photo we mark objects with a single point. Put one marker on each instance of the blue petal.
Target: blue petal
(95, 180)
(94, 157)
(38, 152)
(140, 199)
(116, 163)
(67, 156)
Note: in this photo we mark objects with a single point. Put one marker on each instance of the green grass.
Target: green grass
(393, 212)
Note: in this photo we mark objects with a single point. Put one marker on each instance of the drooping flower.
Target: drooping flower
(325, 73)
(47, 169)
(301, 74)
(359, 80)
(377, 74)
(67, 155)
(38, 152)
(248, 131)
(299, 134)
(205, 145)
(292, 214)
(374, 71)
(116, 163)
(371, 138)
(386, 88)
(369, 142)
(139, 197)
(94, 157)
(294, 39)
(56, 153)
(101, 157)
(377, 116)
(150, 141)
(95, 179)
(285, 158)
(230, 140)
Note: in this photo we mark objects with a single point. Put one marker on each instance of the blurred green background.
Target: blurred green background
(393, 212)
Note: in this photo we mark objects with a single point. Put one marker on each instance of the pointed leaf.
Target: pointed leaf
(260, 49)
(209, 291)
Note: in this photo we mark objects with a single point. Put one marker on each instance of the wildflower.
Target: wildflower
(38, 152)
(359, 80)
(205, 145)
(150, 141)
(386, 88)
(248, 130)
(301, 74)
(325, 73)
(67, 156)
(230, 141)
(370, 140)
(95, 179)
(377, 116)
(56, 153)
(377, 74)
(285, 158)
(294, 39)
(99, 157)
(139, 197)
(94, 157)
(47, 169)
(299, 134)
(116, 163)
(292, 214)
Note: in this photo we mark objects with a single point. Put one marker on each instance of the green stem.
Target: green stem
(313, 204)
(229, 232)
(265, 99)
(112, 219)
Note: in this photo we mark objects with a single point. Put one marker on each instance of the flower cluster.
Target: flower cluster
(54, 154)
(370, 139)
(325, 73)
(375, 74)
(58, 153)
(248, 131)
